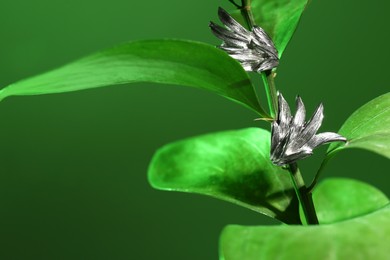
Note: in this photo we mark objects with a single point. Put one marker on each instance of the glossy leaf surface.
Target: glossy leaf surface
(365, 237)
(176, 62)
(338, 199)
(279, 18)
(232, 166)
(368, 128)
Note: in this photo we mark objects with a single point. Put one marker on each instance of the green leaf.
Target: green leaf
(176, 62)
(232, 166)
(279, 18)
(366, 237)
(338, 199)
(368, 128)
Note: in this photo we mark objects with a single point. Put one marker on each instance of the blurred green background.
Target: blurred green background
(73, 166)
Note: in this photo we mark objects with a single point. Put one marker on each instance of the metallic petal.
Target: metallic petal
(232, 24)
(229, 38)
(324, 138)
(275, 137)
(276, 145)
(292, 139)
(302, 154)
(248, 66)
(266, 65)
(245, 56)
(261, 36)
(298, 122)
(253, 49)
(284, 117)
(300, 115)
(312, 126)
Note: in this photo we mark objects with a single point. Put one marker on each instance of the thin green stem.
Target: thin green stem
(235, 4)
(319, 171)
(270, 91)
(246, 12)
(318, 174)
(268, 76)
(304, 196)
(272, 87)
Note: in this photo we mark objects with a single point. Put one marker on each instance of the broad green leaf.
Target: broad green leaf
(279, 18)
(368, 128)
(365, 237)
(177, 62)
(338, 199)
(232, 166)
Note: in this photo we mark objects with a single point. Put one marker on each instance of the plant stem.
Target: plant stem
(267, 76)
(270, 90)
(319, 171)
(246, 12)
(304, 195)
(235, 4)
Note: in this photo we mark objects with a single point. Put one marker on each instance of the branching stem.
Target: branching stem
(303, 193)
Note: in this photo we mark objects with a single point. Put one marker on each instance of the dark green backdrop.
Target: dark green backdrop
(73, 166)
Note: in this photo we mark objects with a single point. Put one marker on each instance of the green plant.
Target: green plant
(214, 70)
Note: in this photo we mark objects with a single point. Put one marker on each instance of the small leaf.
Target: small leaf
(176, 62)
(368, 128)
(232, 166)
(365, 237)
(338, 199)
(279, 18)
